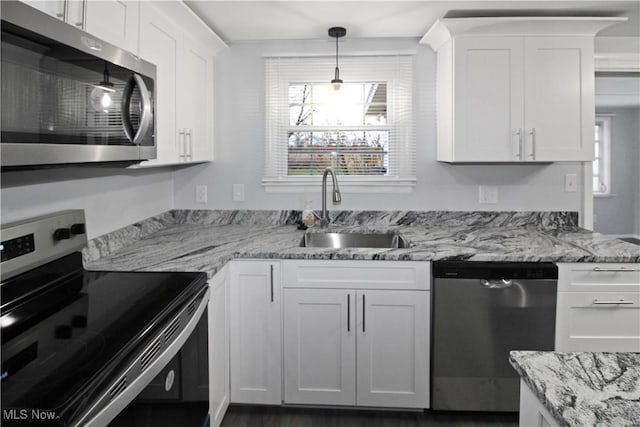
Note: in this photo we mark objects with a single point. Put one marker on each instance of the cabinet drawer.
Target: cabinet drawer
(601, 277)
(357, 274)
(598, 321)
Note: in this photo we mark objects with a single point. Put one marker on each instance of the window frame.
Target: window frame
(603, 155)
(280, 72)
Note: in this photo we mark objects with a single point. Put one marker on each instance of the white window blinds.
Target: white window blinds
(365, 131)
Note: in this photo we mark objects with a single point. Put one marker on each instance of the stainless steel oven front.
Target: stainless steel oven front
(69, 98)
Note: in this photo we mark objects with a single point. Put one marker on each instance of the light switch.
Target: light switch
(570, 183)
(238, 192)
(488, 194)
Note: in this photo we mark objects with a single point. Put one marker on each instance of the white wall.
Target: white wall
(239, 149)
(111, 197)
(618, 214)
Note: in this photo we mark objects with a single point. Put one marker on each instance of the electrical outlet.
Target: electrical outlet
(570, 183)
(201, 194)
(238, 193)
(488, 194)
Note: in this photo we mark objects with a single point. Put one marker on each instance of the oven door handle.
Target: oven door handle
(146, 113)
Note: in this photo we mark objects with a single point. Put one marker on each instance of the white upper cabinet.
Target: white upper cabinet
(114, 21)
(515, 89)
(160, 43)
(559, 99)
(488, 94)
(183, 50)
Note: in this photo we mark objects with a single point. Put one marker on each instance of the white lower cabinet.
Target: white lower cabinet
(319, 346)
(219, 347)
(532, 411)
(255, 340)
(393, 348)
(356, 346)
(598, 307)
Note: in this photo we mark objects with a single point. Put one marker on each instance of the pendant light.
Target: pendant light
(337, 32)
(101, 93)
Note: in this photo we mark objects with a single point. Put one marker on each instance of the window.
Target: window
(601, 162)
(364, 131)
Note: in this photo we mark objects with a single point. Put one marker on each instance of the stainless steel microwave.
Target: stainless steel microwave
(69, 98)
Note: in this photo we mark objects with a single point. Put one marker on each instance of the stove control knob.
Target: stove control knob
(61, 234)
(79, 321)
(78, 229)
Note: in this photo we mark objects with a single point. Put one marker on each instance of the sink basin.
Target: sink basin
(353, 240)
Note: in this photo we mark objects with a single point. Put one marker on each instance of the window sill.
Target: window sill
(346, 184)
(603, 195)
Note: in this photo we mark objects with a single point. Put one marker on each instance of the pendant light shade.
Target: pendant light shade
(337, 32)
(101, 94)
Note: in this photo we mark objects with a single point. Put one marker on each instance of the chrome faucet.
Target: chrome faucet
(337, 197)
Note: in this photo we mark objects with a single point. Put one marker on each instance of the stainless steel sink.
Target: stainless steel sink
(353, 240)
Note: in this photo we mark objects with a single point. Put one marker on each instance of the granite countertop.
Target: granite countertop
(204, 240)
(584, 389)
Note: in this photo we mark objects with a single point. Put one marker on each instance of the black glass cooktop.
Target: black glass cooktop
(64, 330)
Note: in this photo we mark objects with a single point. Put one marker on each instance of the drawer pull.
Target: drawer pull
(622, 301)
(614, 269)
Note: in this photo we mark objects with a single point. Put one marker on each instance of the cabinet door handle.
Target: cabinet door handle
(181, 144)
(612, 270)
(348, 312)
(613, 302)
(622, 301)
(271, 275)
(363, 313)
(519, 148)
(80, 18)
(190, 146)
(533, 143)
(61, 11)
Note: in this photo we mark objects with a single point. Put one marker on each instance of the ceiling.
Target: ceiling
(241, 20)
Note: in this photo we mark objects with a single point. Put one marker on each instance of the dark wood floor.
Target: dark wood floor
(265, 416)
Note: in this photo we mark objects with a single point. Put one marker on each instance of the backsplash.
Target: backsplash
(110, 243)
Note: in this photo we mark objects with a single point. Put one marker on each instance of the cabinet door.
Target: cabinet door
(115, 21)
(559, 98)
(256, 373)
(597, 321)
(393, 348)
(319, 346)
(219, 347)
(160, 41)
(196, 102)
(488, 99)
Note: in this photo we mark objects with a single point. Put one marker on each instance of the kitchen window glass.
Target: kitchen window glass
(365, 131)
(601, 162)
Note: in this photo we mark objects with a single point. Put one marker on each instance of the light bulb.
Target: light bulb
(106, 100)
(100, 98)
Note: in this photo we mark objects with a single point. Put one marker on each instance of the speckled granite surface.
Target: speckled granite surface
(584, 389)
(201, 240)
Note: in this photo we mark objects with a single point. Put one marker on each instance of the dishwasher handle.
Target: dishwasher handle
(496, 284)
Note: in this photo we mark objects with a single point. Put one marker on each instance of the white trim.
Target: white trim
(348, 184)
(586, 216)
(605, 157)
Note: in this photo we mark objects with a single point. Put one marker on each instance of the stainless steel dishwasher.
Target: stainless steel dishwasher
(481, 311)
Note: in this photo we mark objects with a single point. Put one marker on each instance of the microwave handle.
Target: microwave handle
(146, 114)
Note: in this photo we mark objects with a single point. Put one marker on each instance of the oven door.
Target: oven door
(64, 105)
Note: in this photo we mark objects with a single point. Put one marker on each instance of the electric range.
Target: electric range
(78, 345)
